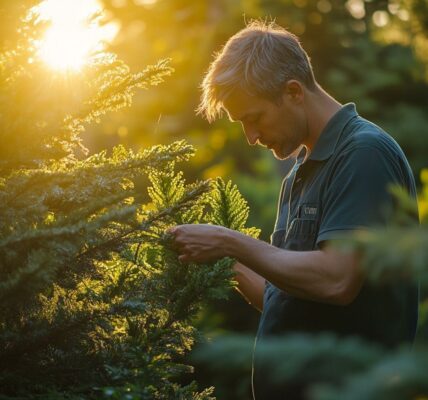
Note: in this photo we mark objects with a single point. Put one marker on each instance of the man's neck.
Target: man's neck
(320, 109)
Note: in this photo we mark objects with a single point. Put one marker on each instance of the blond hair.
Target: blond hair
(259, 59)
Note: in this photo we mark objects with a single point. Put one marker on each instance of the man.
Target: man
(344, 166)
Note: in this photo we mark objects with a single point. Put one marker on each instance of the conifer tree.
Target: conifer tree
(94, 302)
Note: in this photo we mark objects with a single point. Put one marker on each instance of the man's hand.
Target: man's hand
(199, 242)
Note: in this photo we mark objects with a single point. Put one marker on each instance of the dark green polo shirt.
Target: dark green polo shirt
(341, 187)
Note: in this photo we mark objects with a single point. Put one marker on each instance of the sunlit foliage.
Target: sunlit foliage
(94, 302)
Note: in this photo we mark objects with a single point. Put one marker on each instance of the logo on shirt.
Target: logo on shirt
(308, 211)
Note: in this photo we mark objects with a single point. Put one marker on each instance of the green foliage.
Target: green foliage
(395, 377)
(94, 302)
(330, 368)
(298, 359)
(228, 208)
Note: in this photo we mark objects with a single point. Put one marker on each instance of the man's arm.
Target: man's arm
(250, 285)
(326, 275)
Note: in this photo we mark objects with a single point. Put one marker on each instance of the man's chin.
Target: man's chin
(284, 154)
(279, 156)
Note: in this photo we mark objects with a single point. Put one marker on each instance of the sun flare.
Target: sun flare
(73, 35)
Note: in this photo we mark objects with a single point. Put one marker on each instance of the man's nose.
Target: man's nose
(251, 133)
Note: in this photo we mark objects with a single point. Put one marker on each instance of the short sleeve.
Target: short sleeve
(357, 194)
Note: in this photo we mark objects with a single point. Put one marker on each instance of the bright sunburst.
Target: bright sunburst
(71, 37)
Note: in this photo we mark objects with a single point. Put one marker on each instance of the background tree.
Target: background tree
(94, 302)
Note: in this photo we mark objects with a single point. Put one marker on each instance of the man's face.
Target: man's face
(280, 127)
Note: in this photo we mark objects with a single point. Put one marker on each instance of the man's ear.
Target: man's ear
(294, 91)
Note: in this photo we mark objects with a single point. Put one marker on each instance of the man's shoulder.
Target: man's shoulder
(363, 134)
(368, 147)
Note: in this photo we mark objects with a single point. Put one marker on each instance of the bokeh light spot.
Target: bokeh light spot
(356, 8)
(324, 6)
(380, 18)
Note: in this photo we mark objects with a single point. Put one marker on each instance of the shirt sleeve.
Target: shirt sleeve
(357, 194)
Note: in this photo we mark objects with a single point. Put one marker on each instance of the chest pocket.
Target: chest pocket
(302, 230)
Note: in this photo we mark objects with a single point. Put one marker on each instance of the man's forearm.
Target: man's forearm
(250, 285)
(326, 276)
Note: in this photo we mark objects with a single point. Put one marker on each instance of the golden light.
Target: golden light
(73, 34)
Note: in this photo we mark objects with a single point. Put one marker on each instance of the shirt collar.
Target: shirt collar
(327, 141)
